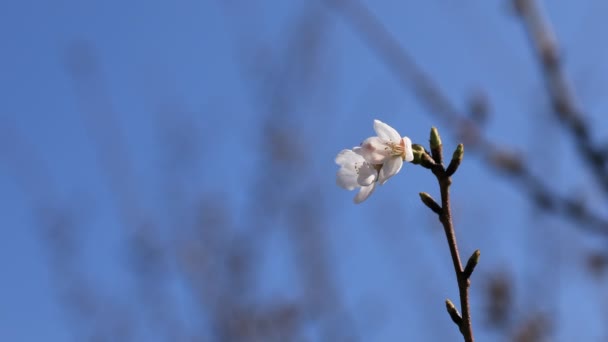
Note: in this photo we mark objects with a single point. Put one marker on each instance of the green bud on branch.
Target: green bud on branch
(456, 160)
(435, 138)
(470, 267)
(418, 151)
(421, 157)
(430, 202)
(436, 146)
(454, 314)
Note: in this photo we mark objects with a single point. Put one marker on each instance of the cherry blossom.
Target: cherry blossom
(388, 149)
(356, 172)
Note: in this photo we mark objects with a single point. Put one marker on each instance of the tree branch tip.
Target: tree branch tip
(435, 139)
(436, 145)
(456, 160)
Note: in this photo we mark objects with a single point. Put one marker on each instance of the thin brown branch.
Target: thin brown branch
(559, 89)
(445, 216)
(101, 121)
(413, 78)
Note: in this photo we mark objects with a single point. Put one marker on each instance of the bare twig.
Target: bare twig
(102, 125)
(545, 46)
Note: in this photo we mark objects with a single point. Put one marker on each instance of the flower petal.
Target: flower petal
(409, 153)
(347, 176)
(347, 179)
(367, 174)
(348, 157)
(386, 132)
(364, 193)
(374, 150)
(390, 168)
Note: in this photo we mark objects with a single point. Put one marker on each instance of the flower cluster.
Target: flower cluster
(375, 161)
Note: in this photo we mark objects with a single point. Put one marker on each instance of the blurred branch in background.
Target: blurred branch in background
(103, 128)
(197, 265)
(279, 96)
(502, 159)
(545, 45)
(204, 249)
(145, 250)
(89, 310)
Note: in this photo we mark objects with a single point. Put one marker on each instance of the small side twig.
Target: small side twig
(430, 202)
(453, 312)
(471, 264)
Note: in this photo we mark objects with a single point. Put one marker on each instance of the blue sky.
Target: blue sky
(207, 65)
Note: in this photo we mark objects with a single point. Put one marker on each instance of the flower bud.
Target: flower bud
(473, 261)
(436, 147)
(435, 138)
(430, 202)
(456, 160)
(454, 314)
(421, 157)
(418, 151)
(459, 153)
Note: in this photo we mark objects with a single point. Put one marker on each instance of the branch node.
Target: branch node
(421, 157)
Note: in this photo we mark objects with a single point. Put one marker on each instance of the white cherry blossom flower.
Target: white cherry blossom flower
(356, 172)
(388, 149)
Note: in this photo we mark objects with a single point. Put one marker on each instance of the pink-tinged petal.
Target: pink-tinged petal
(407, 147)
(386, 132)
(364, 193)
(390, 168)
(374, 150)
(348, 157)
(367, 175)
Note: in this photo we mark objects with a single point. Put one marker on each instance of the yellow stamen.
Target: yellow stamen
(397, 149)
